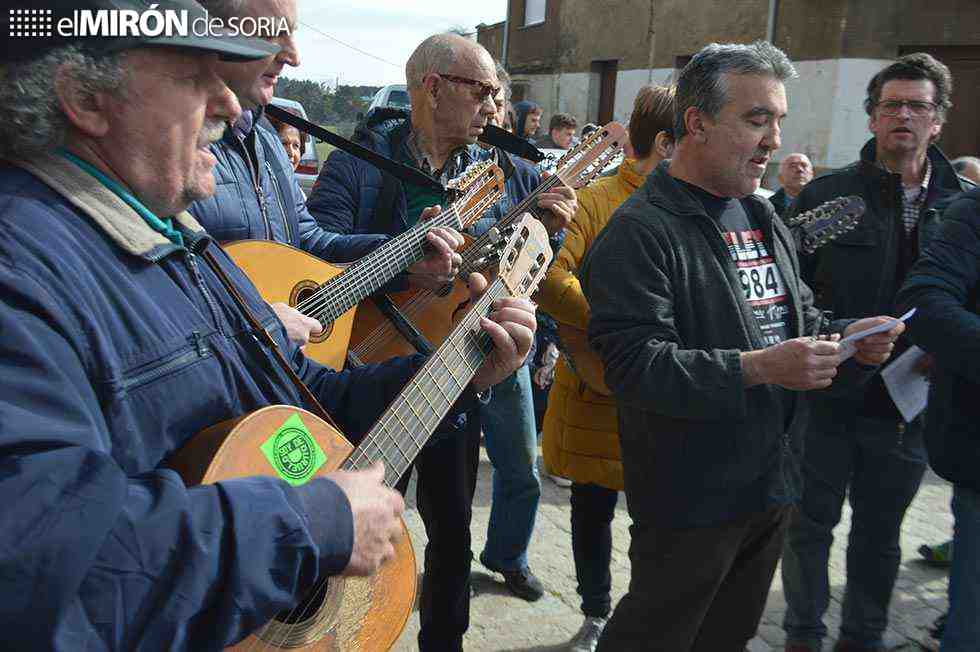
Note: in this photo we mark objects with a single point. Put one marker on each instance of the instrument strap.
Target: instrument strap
(398, 170)
(402, 324)
(494, 135)
(263, 336)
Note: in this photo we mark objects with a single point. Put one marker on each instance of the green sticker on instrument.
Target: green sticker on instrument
(293, 452)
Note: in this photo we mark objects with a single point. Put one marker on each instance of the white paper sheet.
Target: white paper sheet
(908, 388)
(847, 348)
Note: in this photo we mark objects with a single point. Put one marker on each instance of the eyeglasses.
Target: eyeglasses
(486, 90)
(917, 108)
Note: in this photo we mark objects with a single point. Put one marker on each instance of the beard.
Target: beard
(201, 184)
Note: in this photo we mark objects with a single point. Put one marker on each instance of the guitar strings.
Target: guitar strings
(475, 348)
(400, 246)
(336, 286)
(463, 345)
(343, 292)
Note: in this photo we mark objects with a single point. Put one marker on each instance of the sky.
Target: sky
(387, 29)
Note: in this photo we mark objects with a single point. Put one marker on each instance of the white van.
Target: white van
(392, 95)
(309, 162)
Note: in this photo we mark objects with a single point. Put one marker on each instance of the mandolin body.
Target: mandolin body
(357, 613)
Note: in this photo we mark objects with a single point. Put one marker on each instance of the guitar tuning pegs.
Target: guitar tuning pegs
(494, 235)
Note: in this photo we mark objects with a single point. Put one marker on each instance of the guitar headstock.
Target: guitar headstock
(815, 228)
(473, 192)
(588, 159)
(524, 261)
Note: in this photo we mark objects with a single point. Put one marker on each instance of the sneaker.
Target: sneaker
(940, 555)
(523, 584)
(564, 483)
(588, 634)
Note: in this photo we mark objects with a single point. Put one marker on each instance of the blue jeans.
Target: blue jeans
(883, 467)
(511, 440)
(963, 624)
(593, 509)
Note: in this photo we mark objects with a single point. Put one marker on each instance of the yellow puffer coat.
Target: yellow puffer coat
(581, 434)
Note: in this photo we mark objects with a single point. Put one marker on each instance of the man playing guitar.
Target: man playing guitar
(121, 340)
(452, 82)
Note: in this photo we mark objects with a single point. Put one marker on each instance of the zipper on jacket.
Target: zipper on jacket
(199, 279)
(259, 195)
(752, 330)
(282, 208)
(173, 364)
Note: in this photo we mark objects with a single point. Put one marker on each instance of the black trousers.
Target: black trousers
(446, 483)
(593, 510)
(699, 589)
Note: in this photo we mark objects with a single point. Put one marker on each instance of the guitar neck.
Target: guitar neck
(370, 273)
(401, 432)
(474, 255)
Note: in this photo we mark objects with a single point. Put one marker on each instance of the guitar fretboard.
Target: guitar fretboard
(401, 432)
(368, 274)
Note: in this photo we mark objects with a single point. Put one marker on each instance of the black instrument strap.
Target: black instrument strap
(494, 135)
(396, 169)
(402, 324)
(263, 336)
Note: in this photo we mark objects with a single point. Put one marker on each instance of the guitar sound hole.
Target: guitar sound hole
(303, 292)
(307, 608)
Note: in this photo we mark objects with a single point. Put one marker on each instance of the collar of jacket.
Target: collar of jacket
(943, 174)
(664, 191)
(242, 127)
(116, 218)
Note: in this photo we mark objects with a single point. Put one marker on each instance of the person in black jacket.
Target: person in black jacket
(944, 286)
(858, 444)
(707, 334)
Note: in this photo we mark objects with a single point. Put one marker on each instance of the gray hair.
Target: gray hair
(504, 78)
(33, 122)
(223, 9)
(702, 84)
(434, 54)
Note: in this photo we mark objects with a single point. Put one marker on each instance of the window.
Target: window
(534, 11)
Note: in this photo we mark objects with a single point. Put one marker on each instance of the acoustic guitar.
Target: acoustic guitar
(369, 613)
(427, 315)
(811, 230)
(330, 293)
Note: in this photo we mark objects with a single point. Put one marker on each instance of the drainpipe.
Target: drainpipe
(503, 54)
(771, 21)
(651, 34)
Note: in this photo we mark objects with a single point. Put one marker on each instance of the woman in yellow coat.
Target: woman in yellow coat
(581, 439)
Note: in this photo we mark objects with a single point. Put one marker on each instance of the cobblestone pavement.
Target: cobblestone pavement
(500, 621)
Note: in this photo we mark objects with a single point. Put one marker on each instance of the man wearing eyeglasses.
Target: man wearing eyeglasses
(452, 83)
(858, 444)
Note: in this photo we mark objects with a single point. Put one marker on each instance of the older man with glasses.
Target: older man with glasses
(858, 444)
(453, 83)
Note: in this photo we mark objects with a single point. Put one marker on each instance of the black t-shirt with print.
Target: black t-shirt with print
(761, 282)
